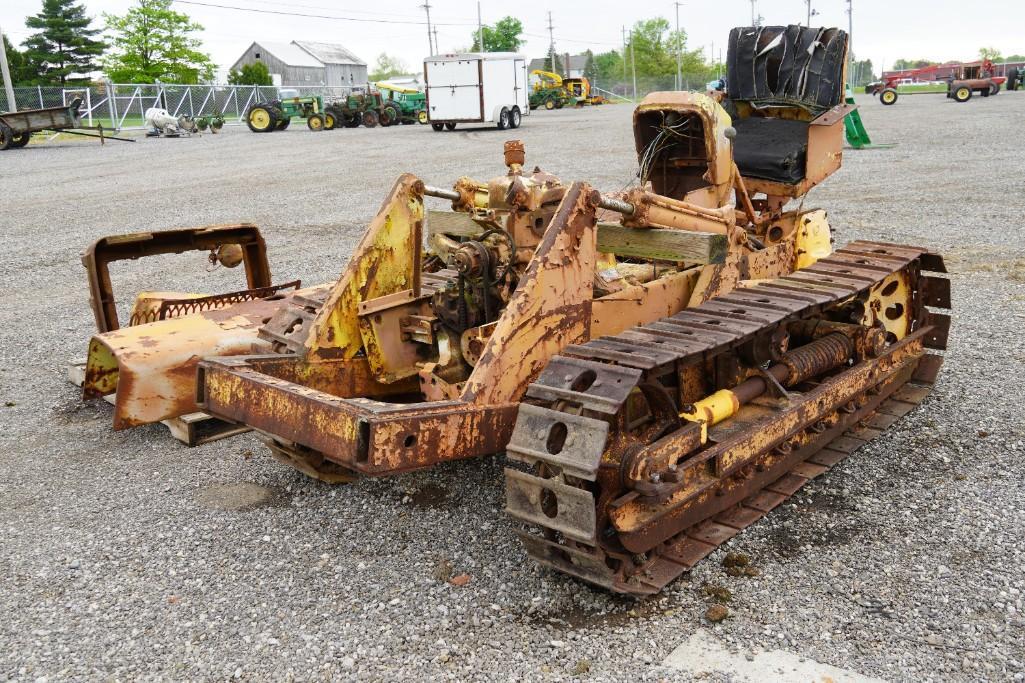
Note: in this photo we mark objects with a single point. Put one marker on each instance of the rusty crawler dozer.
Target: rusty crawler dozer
(667, 363)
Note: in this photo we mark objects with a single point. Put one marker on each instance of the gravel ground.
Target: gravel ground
(127, 556)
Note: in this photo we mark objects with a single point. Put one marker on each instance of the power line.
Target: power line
(318, 16)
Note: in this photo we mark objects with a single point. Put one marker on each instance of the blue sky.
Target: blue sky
(883, 29)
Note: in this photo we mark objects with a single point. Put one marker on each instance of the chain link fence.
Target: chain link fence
(624, 87)
(123, 106)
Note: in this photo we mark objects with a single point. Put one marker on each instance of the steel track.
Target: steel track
(567, 513)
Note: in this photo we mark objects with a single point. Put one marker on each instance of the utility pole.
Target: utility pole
(633, 63)
(6, 73)
(551, 42)
(753, 22)
(850, 38)
(430, 42)
(624, 53)
(438, 49)
(811, 12)
(480, 29)
(679, 72)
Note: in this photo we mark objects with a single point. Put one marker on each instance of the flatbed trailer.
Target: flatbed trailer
(16, 127)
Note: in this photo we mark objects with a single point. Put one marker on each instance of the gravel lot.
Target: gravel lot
(127, 556)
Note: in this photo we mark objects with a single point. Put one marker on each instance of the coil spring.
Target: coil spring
(813, 359)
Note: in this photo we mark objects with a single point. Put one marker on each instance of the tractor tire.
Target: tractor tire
(422, 117)
(329, 121)
(888, 96)
(6, 136)
(438, 127)
(283, 124)
(962, 93)
(450, 126)
(515, 117)
(549, 104)
(559, 104)
(994, 89)
(316, 122)
(351, 120)
(261, 119)
(20, 140)
(503, 118)
(370, 119)
(392, 113)
(1013, 79)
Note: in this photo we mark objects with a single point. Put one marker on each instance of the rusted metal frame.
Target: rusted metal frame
(104, 251)
(386, 260)
(379, 438)
(551, 307)
(367, 436)
(709, 467)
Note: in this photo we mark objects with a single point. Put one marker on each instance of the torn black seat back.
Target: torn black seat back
(781, 79)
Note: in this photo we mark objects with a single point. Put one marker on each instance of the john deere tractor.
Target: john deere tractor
(361, 108)
(268, 116)
(548, 91)
(410, 103)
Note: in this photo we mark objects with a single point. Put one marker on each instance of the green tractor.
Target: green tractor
(367, 109)
(410, 102)
(272, 115)
(548, 91)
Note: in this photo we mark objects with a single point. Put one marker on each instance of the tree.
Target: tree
(861, 72)
(654, 46)
(387, 67)
(63, 44)
(251, 74)
(609, 65)
(590, 70)
(907, 64)
(552, 61)
(1014, 58)
(153, 42)
(504, 36)
(23, 71)
(990, 53)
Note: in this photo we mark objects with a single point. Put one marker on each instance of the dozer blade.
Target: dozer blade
(678, 476)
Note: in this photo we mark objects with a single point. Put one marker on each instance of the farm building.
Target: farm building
(306, 63)
(577, 64)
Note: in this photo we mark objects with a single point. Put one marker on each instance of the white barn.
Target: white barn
(306, 63)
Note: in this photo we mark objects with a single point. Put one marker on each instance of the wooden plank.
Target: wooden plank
(654, 243)
(662, 245)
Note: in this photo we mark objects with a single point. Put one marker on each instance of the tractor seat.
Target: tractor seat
(771, 149)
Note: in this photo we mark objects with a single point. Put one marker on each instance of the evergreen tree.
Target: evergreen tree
(590, 69)
(63, 49)
(552, 61)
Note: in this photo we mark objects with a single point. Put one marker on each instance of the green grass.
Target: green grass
(132, 121)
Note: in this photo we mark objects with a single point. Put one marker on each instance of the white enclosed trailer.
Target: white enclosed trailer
(476, 87)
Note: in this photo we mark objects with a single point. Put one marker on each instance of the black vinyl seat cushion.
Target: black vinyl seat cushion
(771, 149)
